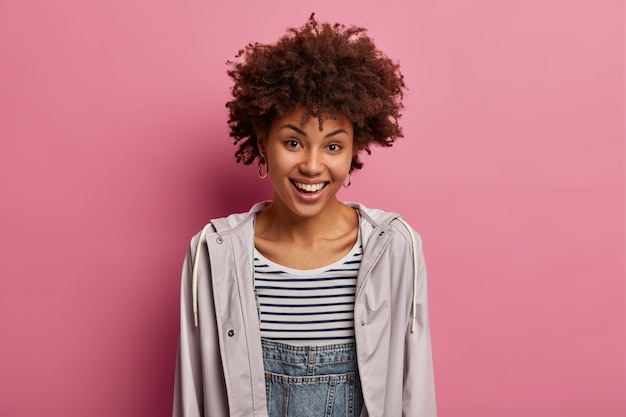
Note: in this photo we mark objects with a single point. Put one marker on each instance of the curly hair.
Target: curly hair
(324, 68)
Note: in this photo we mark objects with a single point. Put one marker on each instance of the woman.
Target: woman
(307, 306)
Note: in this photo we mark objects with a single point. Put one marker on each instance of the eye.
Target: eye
(334, 147)
(292, 143)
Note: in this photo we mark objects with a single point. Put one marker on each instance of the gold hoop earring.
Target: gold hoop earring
(349, 182)
(263, 161)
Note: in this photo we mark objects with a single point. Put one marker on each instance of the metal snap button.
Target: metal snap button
(231, 333)
(219, 240)
(362, 322)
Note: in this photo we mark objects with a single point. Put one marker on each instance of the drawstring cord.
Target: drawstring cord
(194, 278)
(414, 247)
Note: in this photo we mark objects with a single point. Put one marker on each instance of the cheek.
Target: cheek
(348, 161)
(280, 166)
(277, 162)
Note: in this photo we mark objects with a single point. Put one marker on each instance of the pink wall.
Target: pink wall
(114, 151)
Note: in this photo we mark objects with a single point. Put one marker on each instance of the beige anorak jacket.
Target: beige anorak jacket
(219, 370)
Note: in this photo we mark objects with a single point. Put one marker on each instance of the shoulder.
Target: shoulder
(232, 223)
(381, 220)
(404, 229)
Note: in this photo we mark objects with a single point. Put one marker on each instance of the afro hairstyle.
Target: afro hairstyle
(324, 68)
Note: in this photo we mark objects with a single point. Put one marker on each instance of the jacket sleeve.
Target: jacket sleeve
(418, 399)
(188, 389)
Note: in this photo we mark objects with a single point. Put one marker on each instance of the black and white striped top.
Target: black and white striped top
(307, 307)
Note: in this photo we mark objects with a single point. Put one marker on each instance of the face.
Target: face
(308, 166)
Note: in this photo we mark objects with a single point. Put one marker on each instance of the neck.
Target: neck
(277, 221)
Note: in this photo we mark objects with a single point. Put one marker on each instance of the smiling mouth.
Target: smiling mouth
(309, 188)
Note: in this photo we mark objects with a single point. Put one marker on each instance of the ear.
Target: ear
(260, 143)
(259, 136)
(355, 157)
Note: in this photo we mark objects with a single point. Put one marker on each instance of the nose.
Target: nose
(311, 163)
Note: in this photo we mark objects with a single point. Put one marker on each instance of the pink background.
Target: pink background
(114, 151)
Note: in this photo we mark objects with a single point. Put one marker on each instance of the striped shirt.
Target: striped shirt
(307, 307)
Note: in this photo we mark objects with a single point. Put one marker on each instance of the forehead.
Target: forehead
(307, 120)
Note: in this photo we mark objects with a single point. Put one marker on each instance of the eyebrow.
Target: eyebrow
(303, 133)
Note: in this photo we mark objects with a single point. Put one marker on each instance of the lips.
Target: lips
(309, 188)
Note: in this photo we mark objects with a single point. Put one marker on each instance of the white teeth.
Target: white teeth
(309, 187)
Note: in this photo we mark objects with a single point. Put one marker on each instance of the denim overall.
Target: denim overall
(311, 381)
